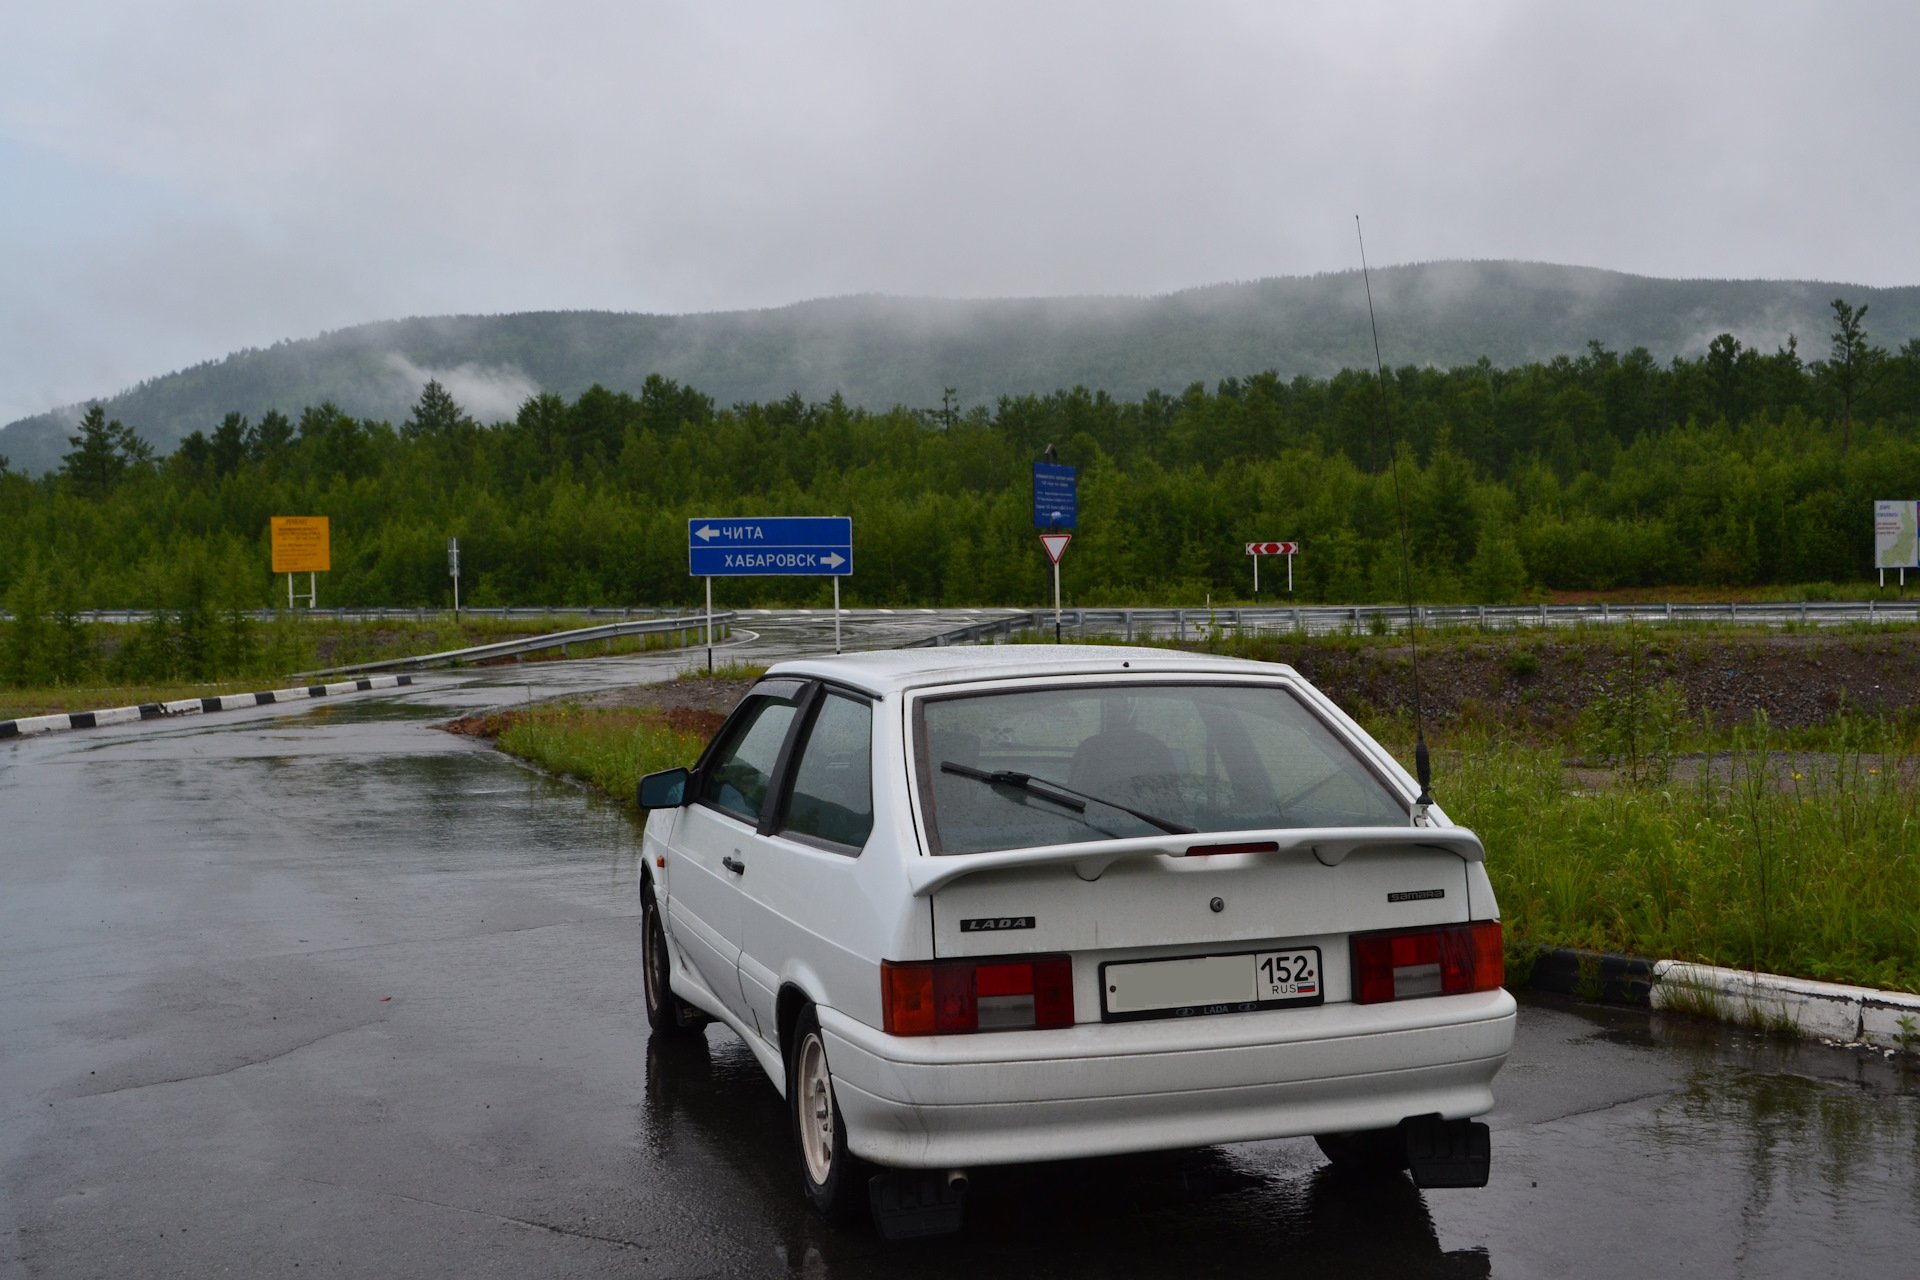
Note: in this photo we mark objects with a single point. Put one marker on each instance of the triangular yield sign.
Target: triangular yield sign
(1056, 544)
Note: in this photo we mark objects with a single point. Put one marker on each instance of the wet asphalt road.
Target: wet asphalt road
(327, 992)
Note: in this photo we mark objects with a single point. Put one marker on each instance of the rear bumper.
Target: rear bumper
(1102, 1089)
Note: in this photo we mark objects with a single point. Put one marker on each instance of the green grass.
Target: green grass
(1813, 873)
(609, 748)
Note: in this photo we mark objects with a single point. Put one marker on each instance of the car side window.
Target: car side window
(832, 797)
(737, 779)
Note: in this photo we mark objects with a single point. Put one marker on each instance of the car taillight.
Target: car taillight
(1427, 962)
(947, 997)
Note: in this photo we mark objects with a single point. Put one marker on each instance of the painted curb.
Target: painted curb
(1590, 975)
(1828, 1010)
(190, 706)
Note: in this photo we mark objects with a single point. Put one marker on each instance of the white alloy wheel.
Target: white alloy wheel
(814, 1108)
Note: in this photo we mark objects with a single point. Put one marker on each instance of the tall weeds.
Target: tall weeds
(1784, 861)
(612, 749)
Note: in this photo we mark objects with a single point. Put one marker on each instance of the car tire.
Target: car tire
(835, 1180)
(1370, 1153)
(667, 1013)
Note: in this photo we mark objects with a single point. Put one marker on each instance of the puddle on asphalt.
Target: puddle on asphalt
(1745, 1155)
(1208, 1212)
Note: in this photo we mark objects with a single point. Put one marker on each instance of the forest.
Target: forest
(1604, 470)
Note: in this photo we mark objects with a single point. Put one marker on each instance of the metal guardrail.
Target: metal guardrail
(1140, 624)
(561, 640)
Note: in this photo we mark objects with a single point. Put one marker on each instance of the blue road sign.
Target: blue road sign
(1056, 496)
(743, 547)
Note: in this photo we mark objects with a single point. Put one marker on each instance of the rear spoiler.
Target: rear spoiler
(1330, 845)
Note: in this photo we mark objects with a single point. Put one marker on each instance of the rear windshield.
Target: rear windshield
(1065, 765)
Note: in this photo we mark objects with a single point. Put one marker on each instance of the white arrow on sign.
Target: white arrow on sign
(1056, 544)
(706, 533)
(833, 561)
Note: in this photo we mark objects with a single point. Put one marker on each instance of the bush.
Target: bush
(1497, 573)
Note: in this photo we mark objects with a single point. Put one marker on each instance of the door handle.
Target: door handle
(734, 865)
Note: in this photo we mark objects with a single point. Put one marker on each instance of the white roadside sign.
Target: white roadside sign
(1896, 534)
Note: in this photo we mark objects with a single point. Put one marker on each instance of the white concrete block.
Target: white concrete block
(1880, 1015)
(1765, 1000)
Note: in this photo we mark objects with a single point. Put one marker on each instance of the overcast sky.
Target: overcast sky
(181, 180)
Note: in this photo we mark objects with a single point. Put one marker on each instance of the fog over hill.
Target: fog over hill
(880, 351)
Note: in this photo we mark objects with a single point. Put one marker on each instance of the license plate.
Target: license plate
(1195, 986)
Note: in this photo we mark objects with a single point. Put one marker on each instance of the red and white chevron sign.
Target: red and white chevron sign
(1273, 548)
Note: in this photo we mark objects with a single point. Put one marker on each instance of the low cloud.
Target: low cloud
(490, 394)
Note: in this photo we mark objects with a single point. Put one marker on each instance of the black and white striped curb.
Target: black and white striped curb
(190, 706)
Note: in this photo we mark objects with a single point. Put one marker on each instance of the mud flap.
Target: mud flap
(915, 1202)
(1447, 1153)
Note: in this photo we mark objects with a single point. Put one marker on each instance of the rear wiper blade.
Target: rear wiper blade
(1059, 794)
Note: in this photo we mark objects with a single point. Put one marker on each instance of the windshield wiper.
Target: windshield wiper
(1054, 792)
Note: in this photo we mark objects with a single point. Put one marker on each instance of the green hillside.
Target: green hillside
(879, 352)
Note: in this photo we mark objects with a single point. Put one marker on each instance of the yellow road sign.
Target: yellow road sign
(300, 544)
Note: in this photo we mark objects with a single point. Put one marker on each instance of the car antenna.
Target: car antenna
(1422, 764)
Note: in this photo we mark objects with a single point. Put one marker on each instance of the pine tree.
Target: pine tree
(272, 435)
(95, 465)
(229, 444)
(435, 415)
(1855, 364)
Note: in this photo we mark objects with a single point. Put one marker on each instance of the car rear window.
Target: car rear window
(1206, 758)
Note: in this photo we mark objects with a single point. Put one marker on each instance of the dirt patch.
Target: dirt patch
(694, 720)
(715, 694)
(487, 726)
(1544, 683)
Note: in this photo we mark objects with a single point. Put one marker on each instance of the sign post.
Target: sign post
(1258, 549)
(1056, 545)
(453, 567)
(1056, 506)
(301, 544)
(770, 546)
(1896, 537)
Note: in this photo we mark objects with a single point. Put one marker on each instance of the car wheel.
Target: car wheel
(1371, 1153)
(836, 1181)
(667, 1013)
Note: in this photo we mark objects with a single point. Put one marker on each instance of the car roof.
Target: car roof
(898, 670)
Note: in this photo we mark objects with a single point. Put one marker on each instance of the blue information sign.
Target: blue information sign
(1056, 496)
(739, 547)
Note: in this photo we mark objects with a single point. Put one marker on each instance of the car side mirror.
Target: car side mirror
(664, 790)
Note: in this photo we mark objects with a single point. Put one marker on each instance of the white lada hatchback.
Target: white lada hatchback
(976, 906)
